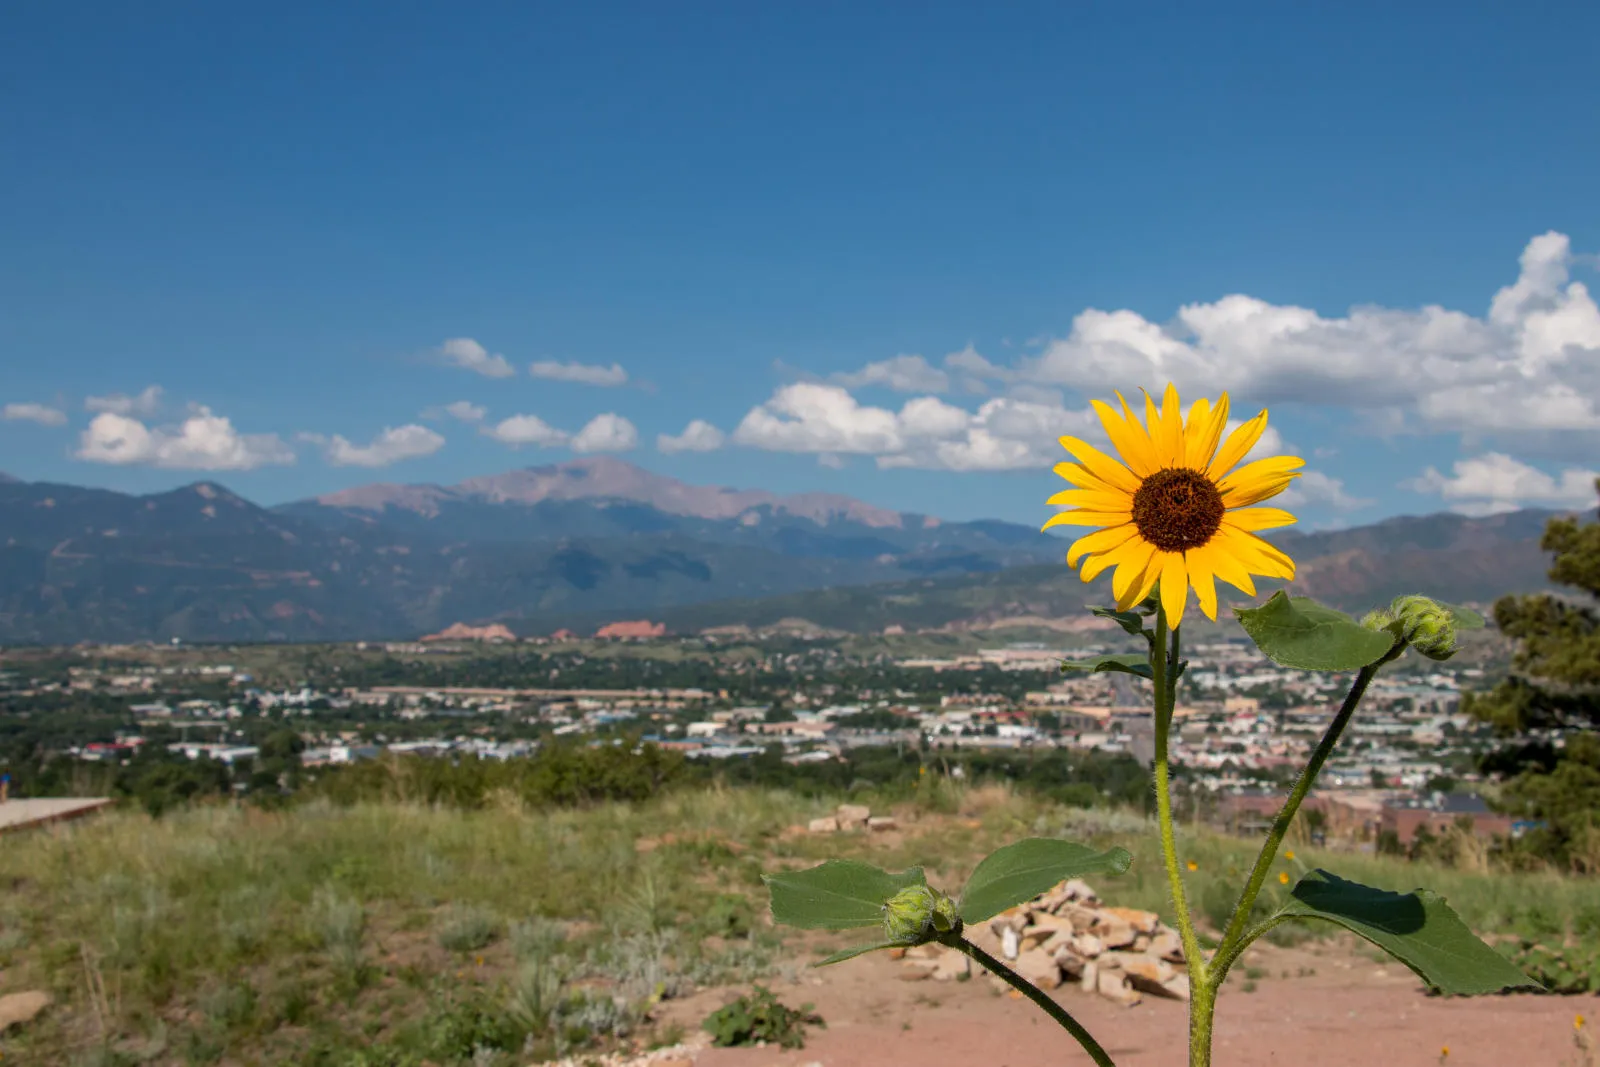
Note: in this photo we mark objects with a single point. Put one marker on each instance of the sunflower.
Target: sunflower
(1174, 511)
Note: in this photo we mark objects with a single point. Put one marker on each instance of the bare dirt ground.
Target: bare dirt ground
(1350, 1011)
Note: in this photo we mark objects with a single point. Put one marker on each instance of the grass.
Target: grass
(393, 934)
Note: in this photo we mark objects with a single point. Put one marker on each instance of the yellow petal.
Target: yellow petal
(1080, 476)
(1174, 588)
(1228, 568)
(1085, 517)
(1138, 430)
(1259, 518)
(1200, 576)
(1203, 438)
(1101, 465)
(1252, 552)
(1131, 571)
(1098, 499)
(1128, 550)
(1256, 490)
(1134, 450)
(1143, 588)
(1172, 426)
(1239, 442)
(1271, 467)
(1100, 541)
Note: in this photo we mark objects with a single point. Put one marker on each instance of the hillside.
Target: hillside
(582, 544)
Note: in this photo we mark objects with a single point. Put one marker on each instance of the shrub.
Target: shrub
(760, 1017)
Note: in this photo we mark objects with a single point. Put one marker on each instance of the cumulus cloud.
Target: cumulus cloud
(144, 404)
(203, 441)
(698, 436)
(1532, 365)
(521, 430)
(466, 411)
(1495, 482)
(391, 446)
(810, 417)
(903, 374)
(468, 354)
(606, 433)
(42, 414)
(583, 373)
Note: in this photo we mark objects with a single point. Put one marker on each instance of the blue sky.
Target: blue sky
(887, 250)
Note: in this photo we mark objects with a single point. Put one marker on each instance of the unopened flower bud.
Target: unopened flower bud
(1428, 626)
(919, 913)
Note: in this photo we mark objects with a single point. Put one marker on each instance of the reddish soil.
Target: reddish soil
(1352, 1010)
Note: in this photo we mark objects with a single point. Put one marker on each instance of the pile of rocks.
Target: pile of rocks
(852, 817)
(1068, 935)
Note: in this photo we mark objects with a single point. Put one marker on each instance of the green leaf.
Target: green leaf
(1021, 871)
(854, 951)
(1130, 621)
(837, 895)
(1466, 618)
(1419, 929)
(1125, 662)
(1298, 632)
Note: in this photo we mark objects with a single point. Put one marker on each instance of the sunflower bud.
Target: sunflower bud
(1428, 627)
(919, 913)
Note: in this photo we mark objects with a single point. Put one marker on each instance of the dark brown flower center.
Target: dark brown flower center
(1177, 509)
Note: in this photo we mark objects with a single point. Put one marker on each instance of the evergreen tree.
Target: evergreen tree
(1554, 685)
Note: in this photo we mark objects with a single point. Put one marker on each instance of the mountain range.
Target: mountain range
(594, 540)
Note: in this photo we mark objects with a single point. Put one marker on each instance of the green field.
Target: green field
(397, 934)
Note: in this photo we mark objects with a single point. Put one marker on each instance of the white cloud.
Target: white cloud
(526, 430)
(42, 414)
(903, 374)
(1315, 488)
(698, 436)
(1495, 482)
(391, 446)
(147, 403)
(583, 373)
(810, 417)
(606, 433)
(1003, 434)
(466, 411)
(468, 354)
(203, 441)
(1532, 365)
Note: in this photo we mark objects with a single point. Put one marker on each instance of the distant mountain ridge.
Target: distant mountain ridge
(596, 541)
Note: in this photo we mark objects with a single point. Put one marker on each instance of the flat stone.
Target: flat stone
(1010, 943)
(1087, 945)
(853, 815)
(827, 825)
(923, 952)
(1014, 919)
(1072, 965)
(882, 822)
(19, 1009)
(1089, 980)
(1114, 985)
(1145, 973)
(1039, 967)
(1078, 889)
(951, 966)
(1112, 931)
(1143, 922)
(1166, 945)
(1177, 987)
(915, 974)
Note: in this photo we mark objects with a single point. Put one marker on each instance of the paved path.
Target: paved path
(19, 814)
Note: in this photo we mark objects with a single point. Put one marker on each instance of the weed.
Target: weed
(467, 928)
(760, 1017)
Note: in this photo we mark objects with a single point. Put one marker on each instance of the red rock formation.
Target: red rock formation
(639, 628)
(460, 631)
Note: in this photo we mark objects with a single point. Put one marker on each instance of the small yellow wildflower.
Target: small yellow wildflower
(1193, 866)
(480, 961)
(1577, 1022)
(1289, 855)
(1444, 1053)
(1283, 877)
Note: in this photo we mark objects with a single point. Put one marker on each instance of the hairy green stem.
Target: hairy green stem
(1231, 945)
(1039, 997)
(1166, 692)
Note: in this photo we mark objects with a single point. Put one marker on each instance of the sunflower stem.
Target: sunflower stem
(1227, 951)
(1163, 670)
